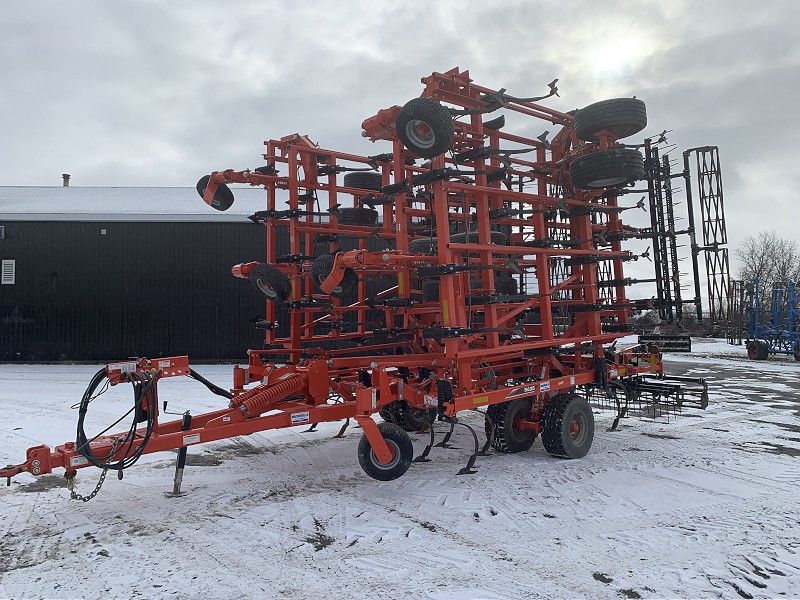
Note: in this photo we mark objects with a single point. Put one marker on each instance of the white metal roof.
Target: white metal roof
(74, 203)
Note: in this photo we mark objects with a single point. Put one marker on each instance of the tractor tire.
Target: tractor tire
(322, 267)
(567, 426)
(401, 446)
(607, 168)
(621, 116)
(425, 127)
(223, 198)
(271, 282)
(363, 180)
(358, 216)
(763, 351)
(508, 438)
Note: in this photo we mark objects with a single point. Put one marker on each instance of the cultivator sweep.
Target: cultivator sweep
(466, 267)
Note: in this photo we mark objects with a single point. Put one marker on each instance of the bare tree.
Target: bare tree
(769, 258)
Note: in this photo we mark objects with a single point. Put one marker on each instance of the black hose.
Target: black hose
(214, 388)
(143, 385)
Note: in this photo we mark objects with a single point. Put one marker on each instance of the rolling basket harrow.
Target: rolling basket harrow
(467, 267)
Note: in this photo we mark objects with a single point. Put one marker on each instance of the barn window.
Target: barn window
(8, 271)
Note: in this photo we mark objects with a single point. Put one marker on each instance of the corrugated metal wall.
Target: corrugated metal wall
(139, 289)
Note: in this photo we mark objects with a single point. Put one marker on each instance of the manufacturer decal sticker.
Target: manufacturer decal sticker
(300, 418)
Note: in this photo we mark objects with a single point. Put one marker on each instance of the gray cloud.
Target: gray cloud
(154, 93)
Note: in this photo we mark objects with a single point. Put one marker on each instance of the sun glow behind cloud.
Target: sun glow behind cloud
(615, 59)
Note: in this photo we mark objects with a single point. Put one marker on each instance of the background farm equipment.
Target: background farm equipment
(466, 267)
(771, 327)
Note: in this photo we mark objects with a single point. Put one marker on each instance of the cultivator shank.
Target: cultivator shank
(464, 267)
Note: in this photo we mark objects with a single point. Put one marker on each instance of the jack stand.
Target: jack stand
(181, 461)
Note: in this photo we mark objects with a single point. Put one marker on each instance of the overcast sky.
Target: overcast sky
(157, 93)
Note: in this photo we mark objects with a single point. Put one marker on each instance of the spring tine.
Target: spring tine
(468, 470)
(447, 436)
(424, 456)
(489, 438)
(341, 431)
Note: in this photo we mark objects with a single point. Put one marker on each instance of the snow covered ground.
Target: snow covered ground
(705, 505)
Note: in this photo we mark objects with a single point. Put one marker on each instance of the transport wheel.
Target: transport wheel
(415, 419)
(622, 116)
(607, 168)
(506, 286)
(471, 237)
(763, 351)
(752, 350)
(402, 450)
(223, 198)
(797, 352)
(568, 426)
(425, 127)
(358, 215)
(507, 437)
(363, 180)
(271, 282)
(322, 267)
(425, 246)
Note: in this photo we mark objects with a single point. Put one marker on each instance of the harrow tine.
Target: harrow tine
(468, 470)
(341, 431)
(424, 456)
(489, 438)
(447, 436)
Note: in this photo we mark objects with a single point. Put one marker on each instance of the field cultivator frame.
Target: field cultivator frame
(769, 330)
(500, 284)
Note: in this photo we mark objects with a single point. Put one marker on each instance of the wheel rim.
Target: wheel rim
(751, 350)
(607, 181)
(420, 133)
(578, 429)
(265, 289)
(392, 463)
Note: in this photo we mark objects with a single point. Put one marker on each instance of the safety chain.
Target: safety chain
(71, 478)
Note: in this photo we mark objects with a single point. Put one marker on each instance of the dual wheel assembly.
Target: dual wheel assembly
(566, 424)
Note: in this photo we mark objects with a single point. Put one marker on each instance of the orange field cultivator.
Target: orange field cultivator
(467, 267)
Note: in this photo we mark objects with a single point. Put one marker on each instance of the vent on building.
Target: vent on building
(8, 272)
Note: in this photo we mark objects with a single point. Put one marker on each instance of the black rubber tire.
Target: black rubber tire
(223, 198)
(471, 237)
(271, 282)
(622, 116)
(363, 180)
(416, 419)
(752, 350)
(435, 119)
(797, 353)
(399, 441)
(427, 246)
(358, 215)
(505, 286)
(508, 438)
(607, 168)
(560, 414)
(322, 267)
(410, 419)
(763, 351)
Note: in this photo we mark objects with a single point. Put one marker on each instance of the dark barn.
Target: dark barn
(108, 273)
